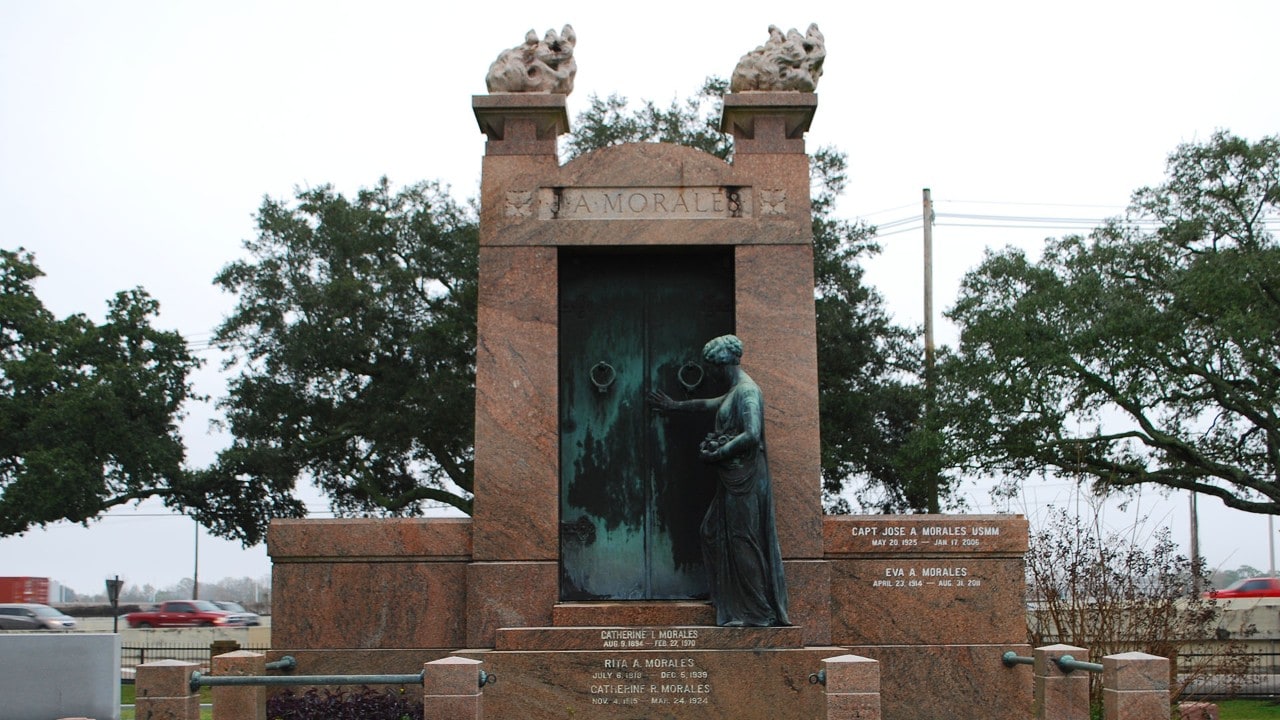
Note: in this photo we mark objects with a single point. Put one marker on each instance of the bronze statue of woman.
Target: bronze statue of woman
(739, 537)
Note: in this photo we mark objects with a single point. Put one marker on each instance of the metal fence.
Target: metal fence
(131, 656)
(1261, 680)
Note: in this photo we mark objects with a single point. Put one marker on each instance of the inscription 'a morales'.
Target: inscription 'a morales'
(675, 203)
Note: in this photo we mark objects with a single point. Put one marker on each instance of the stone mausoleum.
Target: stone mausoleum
(579, 579)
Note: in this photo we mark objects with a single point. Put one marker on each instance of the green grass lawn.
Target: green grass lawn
(1248, 710)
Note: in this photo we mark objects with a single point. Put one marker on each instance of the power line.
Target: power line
(900, 231)
(1031, 218)
(899, 221)
(1007, 226)
(1023, 222)
(1031, 204)
(887, 210)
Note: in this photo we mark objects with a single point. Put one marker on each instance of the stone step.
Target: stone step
(608, 614)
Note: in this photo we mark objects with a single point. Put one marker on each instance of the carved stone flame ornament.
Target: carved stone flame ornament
(791, 62)
(537, 66)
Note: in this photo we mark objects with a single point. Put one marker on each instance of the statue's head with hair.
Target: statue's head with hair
(724, 350)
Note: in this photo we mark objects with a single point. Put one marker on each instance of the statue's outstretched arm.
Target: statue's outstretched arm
(663, 402)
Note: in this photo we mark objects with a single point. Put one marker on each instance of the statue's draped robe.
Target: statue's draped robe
(740, 539)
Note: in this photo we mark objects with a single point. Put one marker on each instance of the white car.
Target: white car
(33, 616)
(239, 616)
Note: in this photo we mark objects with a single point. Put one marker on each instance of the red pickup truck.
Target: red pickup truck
(1248, 588)
(184, 613)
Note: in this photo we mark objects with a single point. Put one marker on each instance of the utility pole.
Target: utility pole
(195, 572)
(929, 389)
(1271, 542)
(1195, 546)
(1271, 532)
(928, 293)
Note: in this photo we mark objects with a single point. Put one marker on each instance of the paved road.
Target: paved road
(258, 636)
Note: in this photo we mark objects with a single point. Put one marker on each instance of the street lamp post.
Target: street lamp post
(113, 595)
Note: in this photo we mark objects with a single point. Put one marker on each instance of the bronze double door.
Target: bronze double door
(632, 490)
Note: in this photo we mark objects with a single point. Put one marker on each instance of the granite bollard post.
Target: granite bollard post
(247, 702)
(1060, 695)
(852, 688)
(164, 691)
(1135, 686)
(451, 689)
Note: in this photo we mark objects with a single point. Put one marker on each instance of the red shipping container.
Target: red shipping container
(24, 589)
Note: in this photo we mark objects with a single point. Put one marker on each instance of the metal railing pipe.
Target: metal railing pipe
(1067, 663)
(286, 663)
(199, 680)
(1012, 658)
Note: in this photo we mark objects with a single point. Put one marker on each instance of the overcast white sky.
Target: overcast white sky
(138, 138)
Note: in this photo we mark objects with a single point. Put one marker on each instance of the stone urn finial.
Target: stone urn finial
(537, 66)
(791, 62)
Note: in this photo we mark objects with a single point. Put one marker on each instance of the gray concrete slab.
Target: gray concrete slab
(56, 675)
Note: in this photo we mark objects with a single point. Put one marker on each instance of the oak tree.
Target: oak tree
(353, 341)
(88, 411)
(1145, 353)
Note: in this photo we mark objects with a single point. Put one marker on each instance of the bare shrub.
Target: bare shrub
(1115, 592)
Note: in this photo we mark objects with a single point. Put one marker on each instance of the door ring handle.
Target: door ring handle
(690, 382)
(602, 376)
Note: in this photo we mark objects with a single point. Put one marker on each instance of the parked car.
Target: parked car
(33, 616)
(183, 613)
(242, 616)
(1248, 588)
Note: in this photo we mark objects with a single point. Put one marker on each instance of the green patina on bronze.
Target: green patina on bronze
(632, 490)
